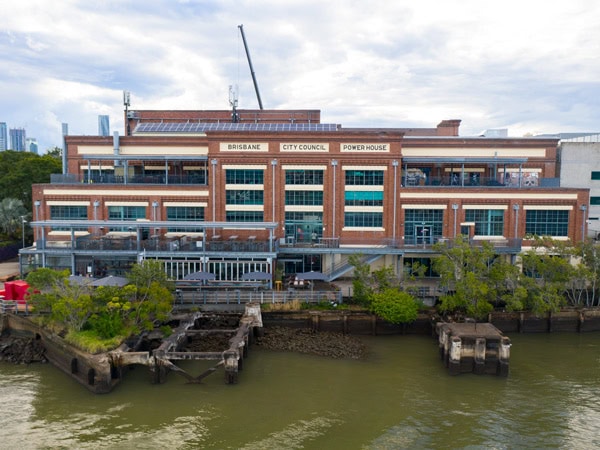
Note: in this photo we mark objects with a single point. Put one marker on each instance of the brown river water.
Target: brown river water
(400, 397)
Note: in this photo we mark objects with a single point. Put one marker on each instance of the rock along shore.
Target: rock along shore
(21, 350)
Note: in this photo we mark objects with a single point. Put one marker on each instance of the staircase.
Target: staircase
(344, 266)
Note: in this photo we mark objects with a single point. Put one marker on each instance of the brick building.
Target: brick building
(280, 192)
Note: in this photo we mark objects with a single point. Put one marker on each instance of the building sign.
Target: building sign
(244, 146)
(303, 147)
(365, 147)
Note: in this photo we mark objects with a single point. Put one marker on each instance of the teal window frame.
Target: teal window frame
(488, 222)
(185, 214)
(244, 176)
(547, 222)
(363, 219)
(307, 198)
(310, 177)
(363, 198)
(244, 216)
(364, 177)
(244, 197)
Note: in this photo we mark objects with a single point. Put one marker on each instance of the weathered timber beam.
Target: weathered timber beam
(193, 355)
(203, 332)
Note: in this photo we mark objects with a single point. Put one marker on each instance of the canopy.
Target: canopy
(311, 276)
(199, 276)
(256, 276)
(110, 281)
(80, 280)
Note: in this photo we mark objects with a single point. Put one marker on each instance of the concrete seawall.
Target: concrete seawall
(364, 323)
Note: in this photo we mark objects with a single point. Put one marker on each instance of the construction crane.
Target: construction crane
(241, 27)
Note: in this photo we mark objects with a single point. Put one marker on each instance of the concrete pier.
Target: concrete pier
(478, 348)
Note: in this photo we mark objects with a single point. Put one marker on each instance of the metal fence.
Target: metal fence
(189, 299)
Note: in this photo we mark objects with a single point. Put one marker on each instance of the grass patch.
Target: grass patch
(90, 342)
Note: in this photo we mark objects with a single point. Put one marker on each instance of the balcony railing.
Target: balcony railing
(170, 245)
(456, 181)
(133, 179)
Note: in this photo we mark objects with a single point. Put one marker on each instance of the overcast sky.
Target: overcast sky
(531, 66)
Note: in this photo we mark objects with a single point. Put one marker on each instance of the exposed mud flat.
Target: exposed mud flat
(302, 340)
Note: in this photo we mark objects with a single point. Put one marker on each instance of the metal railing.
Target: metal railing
(133, 179)
(470, 181)
(192, 298)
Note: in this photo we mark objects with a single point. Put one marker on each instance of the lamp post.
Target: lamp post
(273, 164)
(96, 204)
(214, 189)
(37, 204)
(395, 165)
(583, 210)
(23, 222)
(516, 209)
(455, 208)
(334, 164)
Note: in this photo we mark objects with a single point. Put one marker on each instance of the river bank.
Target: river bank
(322, 343)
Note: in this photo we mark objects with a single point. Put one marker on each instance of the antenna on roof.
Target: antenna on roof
(233, 102)
(241, 27)
(126, 103)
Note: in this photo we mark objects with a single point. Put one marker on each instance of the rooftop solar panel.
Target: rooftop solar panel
(195, 127)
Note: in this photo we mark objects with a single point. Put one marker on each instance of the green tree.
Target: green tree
(12, 212)
(585, 279)
(465, 274)
(394, 306)
(20, 170)
(106, 312)
(68, 304)
(54, 152)
(361, 288)
(547, 270)
(154, 299)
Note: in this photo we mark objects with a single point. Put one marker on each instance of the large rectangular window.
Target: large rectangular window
(185, 214)
(363, 198)
(595, 175)
(363, 219)
(547, 222)
(423, 226)
(304, 198)
(131, 213)
(244, 197)
(67, 212)
(244, 216)
(244, 176)
(488, 222)
(303, 177)
(594, 200)
(126, 212)
(364, 177)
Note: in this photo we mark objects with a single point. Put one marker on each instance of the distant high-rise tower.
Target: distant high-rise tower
(17, 139)
(3, 137)
(103, 126)
(31, 145)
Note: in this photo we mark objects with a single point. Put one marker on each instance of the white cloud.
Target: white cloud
(526, 66)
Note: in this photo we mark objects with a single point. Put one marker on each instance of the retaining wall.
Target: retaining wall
(92, 371)
(364, 323)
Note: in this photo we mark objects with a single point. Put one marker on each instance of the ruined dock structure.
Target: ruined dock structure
(100, 373)
(234, 334)
(478, 348)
